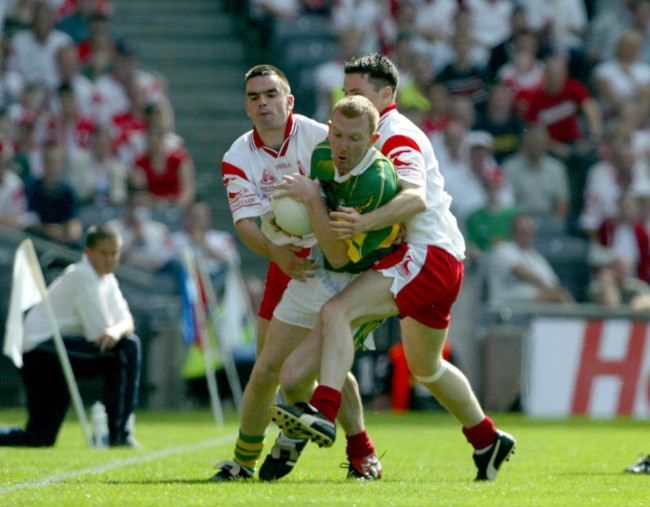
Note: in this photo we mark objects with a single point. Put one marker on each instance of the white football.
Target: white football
(291, 215)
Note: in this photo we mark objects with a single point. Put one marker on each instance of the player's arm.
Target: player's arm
(348, 223)
(308, 191)
(284, 256)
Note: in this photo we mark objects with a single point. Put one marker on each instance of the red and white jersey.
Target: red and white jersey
(412, 155)
(250, 169)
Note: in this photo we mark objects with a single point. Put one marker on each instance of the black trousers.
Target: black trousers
(48, 397)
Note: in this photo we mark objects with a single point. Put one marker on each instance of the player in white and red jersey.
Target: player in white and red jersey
(281, 143)
(419, 280)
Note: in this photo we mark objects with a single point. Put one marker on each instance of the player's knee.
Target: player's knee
(264, 373)
(331, 312)
(431, 374)
(289, 380)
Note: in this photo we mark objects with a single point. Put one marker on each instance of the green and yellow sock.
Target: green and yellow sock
(248, 450)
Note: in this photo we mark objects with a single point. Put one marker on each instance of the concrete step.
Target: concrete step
(128, 8)
(191, 78)
(204, 52)
(189, 27)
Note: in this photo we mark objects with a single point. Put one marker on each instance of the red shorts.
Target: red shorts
(426, 282)
(274, 286)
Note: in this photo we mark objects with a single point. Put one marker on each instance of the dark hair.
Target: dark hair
(266, 69)
(381, 71)
(101, 232)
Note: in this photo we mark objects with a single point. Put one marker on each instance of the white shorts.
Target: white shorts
(301, 302)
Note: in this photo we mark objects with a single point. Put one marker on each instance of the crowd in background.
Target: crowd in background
(83, 125)
(532, 107)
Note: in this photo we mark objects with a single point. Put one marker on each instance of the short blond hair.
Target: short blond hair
(356, 106)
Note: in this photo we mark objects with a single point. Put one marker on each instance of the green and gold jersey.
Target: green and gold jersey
(370, 184)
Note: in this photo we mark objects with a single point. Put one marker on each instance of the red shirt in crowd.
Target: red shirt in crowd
(167, 183)
(558, 112)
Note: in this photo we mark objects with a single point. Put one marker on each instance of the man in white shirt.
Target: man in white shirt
(519, 273)
(34, 52)
(98, 332)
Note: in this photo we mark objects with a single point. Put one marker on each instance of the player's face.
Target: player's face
(267, 102)
(104, 256)
(358, 84)
(350, 139)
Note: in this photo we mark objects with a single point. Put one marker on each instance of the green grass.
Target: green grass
(426, 462)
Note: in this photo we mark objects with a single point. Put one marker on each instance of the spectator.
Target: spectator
(502, 53)
(146, 243)
(450, 147)
(499, 121)
(76, 24)
(13, 204)
(54, 201)
(97, 329)
(560, 27)
(462, 77)
(625, 235)
(609, 179)
(111, 89)
(328, 76)
(97, 51)
(33, 52)
(216, 250)
(436, 118)
(557, 105)
(518, 273)
(412, 95)
(606, 27)
(436, 19)
(624, 77)
(68, 127)
(490, 20)
(614, 286)
(97, 175)
(130, 127)
(466, 185)
(167, 174)
(373, 19)
(539, 181)
(490, 224)
(524, 72)
(11, 83)
(67, 61)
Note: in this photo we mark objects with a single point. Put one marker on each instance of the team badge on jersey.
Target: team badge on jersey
(268, 178)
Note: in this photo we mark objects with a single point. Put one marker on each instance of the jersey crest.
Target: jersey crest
(268, 178)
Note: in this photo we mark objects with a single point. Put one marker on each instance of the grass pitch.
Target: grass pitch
(426, 462)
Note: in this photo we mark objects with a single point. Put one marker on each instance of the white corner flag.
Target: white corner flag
(25, 293)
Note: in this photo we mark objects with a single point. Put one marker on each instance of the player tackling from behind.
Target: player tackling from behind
(419, 281)
(280, 144)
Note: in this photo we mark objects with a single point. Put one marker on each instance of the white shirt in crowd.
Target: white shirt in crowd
(504, 287)
(34, 61)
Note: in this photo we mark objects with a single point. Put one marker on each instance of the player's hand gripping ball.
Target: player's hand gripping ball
(291, 215)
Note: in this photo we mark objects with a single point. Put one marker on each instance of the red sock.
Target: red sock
(327, 401)
(482, 435)
(359, 445)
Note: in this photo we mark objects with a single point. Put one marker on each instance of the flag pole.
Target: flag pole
(58, 340)
(201, 325)
(226, 353)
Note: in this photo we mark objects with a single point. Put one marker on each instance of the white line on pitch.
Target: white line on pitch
(117, 464)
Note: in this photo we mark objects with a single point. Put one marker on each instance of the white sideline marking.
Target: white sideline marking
(117, 464)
